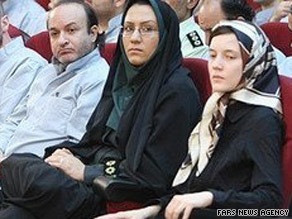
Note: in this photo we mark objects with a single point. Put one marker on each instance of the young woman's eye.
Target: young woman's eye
(230, 57)
(212, 55)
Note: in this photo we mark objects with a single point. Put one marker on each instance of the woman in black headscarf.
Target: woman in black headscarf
(233, 159)
(136, 138)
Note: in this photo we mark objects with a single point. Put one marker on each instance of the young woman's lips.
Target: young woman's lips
(217, 77)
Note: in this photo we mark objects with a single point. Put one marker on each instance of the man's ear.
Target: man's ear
(5, 23)
(240, 18)
(94, 31)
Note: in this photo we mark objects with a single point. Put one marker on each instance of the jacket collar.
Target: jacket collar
(238, 110)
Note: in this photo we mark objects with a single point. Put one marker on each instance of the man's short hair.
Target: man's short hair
(236, 8)
(90, 17)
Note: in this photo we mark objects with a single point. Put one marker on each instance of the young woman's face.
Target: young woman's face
(140, 34)
(225, 65)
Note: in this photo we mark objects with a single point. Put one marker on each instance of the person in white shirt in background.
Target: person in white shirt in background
(109, 13)
(192, 37)
(267, 10)
(65, 93)
(281, 11)
(285, 68)
(26, 15)
(18, 68)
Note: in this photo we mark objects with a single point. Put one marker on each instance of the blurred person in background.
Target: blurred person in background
(26, 15)
(192, 37)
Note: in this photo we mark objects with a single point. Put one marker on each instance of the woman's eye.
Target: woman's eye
(146, 29)
(128, 29)
(230, 57)
(212, 55)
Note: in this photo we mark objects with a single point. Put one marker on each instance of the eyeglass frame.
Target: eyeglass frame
(141, 30)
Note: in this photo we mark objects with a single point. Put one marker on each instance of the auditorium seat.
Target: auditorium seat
(200, 76)
(15, 32)
(280, 36)
(44, 3)
(41, 44)
(286, 91)
(108, 52)
(255, 6)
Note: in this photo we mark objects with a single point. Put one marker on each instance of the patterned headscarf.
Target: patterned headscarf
(261, 87)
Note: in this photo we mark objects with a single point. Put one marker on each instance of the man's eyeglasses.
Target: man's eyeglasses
(144, 31)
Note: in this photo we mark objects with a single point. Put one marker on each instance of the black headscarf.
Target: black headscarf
(136, 122)
(129, 78)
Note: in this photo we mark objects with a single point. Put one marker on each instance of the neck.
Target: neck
(103, 25)
(187, 16)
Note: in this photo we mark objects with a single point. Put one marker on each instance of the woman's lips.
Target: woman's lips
(217, 77)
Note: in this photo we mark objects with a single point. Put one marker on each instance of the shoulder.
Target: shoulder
(31, 57)
(94, 73)
(180, 85)
(181, 80)
(251, 117)
(26, 61)
(96, 68)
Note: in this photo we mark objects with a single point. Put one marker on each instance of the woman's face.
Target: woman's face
(225, 65)
(140, 34)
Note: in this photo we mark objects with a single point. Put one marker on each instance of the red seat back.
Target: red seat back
(286, 90)
(200, 76)
(280, 36)
(255, 6)
(108, 52)
(41, 44)
(44, 3)
(15, 32)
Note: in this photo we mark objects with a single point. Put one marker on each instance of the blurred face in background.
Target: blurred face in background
(182, 8)
(105, 9)
(209, 15)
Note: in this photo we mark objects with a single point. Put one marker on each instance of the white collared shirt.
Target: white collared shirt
(192, 39)
(26, 15)
(18, 68)
(57, 108)
(114, 27)
(285, 68)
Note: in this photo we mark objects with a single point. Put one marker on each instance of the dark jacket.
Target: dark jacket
(245, 169)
